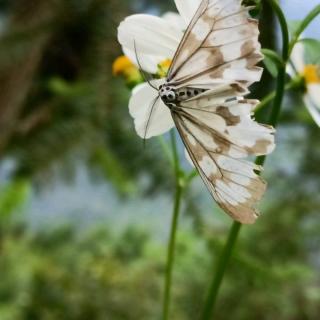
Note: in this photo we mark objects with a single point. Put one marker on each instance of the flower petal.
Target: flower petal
(175, 20)
(148, 63)
(140, 107)
(149, 35)
(312, 101)
(297, 57)
(187, 9)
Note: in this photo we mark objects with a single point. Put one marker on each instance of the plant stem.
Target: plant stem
(274, 117)
(173, 232)
(221, 267)
(166, 150)
(268, 98)
(175, 155)
(171, 250)
(284, 29)
(275, 112)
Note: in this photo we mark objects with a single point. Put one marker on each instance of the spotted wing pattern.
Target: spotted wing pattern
(217, 137)
(220, 45)
(219, 52)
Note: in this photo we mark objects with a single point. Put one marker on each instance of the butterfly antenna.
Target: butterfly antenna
(144, 75)
(153, 105)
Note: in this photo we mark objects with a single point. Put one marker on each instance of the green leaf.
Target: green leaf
(293, 26)
(272, 61)
(312, 51)
(300, 27)
(270, 66)
(307, 20)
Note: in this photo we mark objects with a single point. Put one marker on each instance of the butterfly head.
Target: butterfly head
(168, 94)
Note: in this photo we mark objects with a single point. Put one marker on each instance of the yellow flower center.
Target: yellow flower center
(163, 67)
(123, 66)
(312, 73)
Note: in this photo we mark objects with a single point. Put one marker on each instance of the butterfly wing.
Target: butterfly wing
(219, 52)
(218, 136)
(220, 45)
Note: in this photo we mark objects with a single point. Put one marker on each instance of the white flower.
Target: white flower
(311, 75)
(153, 40)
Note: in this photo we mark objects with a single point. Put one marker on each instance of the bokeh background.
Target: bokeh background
(85, 209)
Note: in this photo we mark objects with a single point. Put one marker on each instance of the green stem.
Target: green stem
(175, 155)
(274, 117)
(173, 232)
(221, 267)
(268, 98)
(170, 255)
(281, 82)
(284, 29)
(166, 150)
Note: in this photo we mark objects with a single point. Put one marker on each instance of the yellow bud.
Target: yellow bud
(312, 73)
(122, 65)
(163, 67)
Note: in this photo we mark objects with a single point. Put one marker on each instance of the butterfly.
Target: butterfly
(204, 90)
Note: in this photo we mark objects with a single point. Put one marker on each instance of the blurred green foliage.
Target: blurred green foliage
(13, 195)
(111, 277)
(62, 273)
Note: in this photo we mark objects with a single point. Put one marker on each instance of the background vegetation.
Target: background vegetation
(63, 115)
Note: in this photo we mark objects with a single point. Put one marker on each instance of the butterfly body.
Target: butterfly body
(172, 96)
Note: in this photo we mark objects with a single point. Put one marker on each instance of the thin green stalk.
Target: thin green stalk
(170, 255)
(173, 232)
(235, 229)
(284, 29)
(221, 267)
(166, 150)
(175, 155)
(268, 98)
(281, 82)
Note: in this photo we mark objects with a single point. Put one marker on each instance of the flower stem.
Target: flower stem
(170, 255)
(273, 120)
(221, 267)
(284, 29)
(166, 150)
(174, 226)
(268, 98)
(175, 156)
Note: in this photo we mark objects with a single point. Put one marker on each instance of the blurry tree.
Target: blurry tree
(59, 102)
